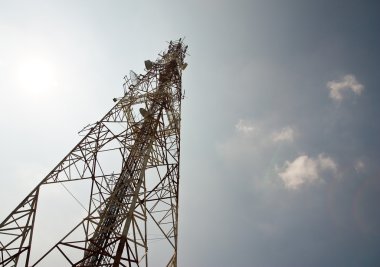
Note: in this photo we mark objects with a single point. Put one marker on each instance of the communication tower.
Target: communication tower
(128, 203)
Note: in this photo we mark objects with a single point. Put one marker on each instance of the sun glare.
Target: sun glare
(36, 76)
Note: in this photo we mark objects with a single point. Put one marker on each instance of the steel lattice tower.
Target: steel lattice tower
(143, 131)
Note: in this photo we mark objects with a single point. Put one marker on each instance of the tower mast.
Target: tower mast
(127, 203)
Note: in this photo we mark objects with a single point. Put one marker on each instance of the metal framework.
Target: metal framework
(131, 198)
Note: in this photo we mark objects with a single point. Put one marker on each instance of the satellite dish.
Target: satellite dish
(148, 64)
(134, 77)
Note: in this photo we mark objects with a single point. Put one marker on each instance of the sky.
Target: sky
(280, 133)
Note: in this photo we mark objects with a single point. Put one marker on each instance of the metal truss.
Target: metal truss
(134, 196)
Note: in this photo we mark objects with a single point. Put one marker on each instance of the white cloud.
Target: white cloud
(359, 166)
(326, 163)
(245, 126)
(348, 82)
(248, 144)
(286, 134)
(305, 169)
(252, 140)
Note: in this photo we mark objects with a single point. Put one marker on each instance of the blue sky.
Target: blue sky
(280, 131)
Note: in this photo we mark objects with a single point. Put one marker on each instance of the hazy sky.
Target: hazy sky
(280, 124)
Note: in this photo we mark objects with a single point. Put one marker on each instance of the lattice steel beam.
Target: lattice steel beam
(128, 196)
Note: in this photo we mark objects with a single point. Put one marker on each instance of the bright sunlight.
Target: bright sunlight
(37, 76)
